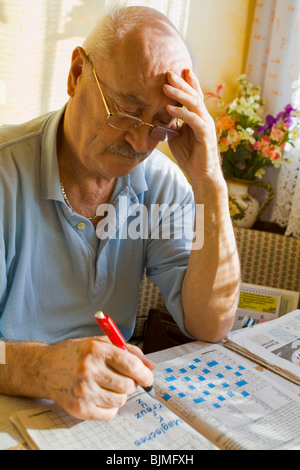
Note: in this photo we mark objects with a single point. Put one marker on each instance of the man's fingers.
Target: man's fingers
(187, 92)
(96, 377)
(193, 81)
(137, 352)
(129, 365)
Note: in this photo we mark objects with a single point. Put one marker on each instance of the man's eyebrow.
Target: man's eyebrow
(132, 99)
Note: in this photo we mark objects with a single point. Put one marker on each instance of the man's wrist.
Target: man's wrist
(210, 189)
(22, 372)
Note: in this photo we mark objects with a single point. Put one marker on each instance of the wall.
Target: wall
(218, 36)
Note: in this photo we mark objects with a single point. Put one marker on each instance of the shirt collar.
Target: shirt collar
(50, 182)
(137, 179)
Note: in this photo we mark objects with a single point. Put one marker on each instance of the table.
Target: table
(10, 439)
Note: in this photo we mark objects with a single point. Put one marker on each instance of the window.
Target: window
(37, 39)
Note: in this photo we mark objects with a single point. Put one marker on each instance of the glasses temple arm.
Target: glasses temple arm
(101, 92)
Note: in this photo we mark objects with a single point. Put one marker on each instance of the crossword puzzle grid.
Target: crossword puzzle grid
(85, 435)
(205, 379)
(63, 432)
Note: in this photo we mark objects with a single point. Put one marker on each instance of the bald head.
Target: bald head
(134, 26)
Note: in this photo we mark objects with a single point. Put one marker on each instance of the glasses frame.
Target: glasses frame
(139, 123)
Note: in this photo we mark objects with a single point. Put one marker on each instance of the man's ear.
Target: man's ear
(75, 69)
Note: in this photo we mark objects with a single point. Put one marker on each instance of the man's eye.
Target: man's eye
(126, 110)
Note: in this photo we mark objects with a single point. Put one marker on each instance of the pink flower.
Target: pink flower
(266, 140)
(218, 93)
(277, 134)
(257, 146)
(271, 152)
(220, 90)
(274, 155)
(266, 150)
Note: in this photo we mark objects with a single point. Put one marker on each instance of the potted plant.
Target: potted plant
(248, 144)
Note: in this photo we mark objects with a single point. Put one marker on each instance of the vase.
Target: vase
(244, 208)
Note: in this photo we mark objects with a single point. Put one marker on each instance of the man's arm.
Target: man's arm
(211, 284)
(89, 378)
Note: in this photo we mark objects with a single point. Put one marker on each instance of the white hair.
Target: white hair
(113, 27)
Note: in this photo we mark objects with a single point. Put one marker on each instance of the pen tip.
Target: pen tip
(99, 314)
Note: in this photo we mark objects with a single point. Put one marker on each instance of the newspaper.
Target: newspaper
(229, 400)
(2, 352)
(274, 344)
(258, 304)
(210, 398)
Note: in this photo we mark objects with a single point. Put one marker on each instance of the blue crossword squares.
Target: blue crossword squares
(241, 383)
(170, 379)
(212, 364)
(199, 400)
(205, 383)
(166, 397)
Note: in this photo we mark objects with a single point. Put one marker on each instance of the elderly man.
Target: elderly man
(129, 86)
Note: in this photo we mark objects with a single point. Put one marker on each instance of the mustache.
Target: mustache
(127, 151)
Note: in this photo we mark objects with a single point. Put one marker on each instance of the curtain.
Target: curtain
(274, 64)
(37, 38)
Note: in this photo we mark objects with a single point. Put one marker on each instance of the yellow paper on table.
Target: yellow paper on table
(259, 303)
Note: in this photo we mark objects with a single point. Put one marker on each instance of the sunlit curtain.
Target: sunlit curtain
(274, 64)
(37, 38)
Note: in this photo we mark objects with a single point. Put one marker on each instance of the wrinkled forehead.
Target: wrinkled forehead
(146, 54)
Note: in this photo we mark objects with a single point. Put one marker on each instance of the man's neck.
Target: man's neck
(85, 191)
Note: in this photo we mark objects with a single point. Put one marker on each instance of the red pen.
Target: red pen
(111, 330)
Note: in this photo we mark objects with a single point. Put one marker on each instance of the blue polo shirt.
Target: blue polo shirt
(55, 271)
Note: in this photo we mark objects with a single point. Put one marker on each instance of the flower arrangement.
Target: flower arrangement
(247, 144)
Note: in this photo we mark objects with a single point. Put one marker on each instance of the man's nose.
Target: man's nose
(140, 140)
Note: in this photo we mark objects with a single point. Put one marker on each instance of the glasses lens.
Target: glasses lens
(123, 121)
(162, 133)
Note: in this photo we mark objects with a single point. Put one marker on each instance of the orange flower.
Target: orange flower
(224, 146)
(223, 125)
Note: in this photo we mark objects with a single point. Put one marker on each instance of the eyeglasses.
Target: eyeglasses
(126, 122)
